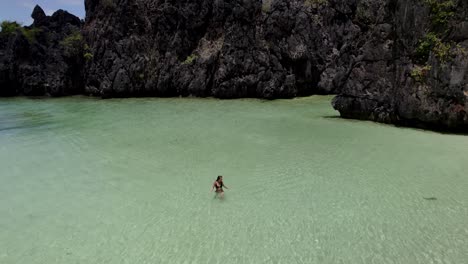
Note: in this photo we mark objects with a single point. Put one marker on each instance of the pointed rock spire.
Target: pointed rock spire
(39, 16)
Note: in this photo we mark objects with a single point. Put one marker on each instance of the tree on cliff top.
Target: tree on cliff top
(9, 27)
(12, 27)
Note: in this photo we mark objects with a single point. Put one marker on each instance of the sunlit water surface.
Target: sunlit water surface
(127, 181)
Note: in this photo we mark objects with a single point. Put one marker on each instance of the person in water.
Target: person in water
(218, 185)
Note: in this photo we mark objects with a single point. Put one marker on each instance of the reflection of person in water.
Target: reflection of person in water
(218, 185)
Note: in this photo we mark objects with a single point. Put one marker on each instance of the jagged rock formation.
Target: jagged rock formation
(35, 60)
(412, 68)
(391, 61)
(226, 49)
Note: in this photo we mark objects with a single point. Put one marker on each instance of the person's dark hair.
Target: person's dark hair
(219, 177)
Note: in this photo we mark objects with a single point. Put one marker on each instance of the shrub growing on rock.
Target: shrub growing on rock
(441, 11)
(9, 27)
(73, 43)
(190, 59)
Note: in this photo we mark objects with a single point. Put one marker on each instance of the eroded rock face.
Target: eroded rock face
(366, 51)
(33, 60)
(392, 82)
(226, 49)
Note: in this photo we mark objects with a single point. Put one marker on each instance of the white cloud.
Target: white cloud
(72, 2)
(29, 22)
(27, 4)
(49, 12)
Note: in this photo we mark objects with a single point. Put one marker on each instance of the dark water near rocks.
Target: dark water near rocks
(127, 181)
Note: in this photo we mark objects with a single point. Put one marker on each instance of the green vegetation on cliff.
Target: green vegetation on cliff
(12, 27)
(74, 45)
(74, 40)
(441, 11)
(431, 42)
(419, 73)
(30, 33)
(190, 59)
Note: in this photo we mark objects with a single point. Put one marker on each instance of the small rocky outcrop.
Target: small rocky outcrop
(45, 58)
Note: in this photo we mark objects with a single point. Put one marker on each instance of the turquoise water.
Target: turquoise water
(128, 181)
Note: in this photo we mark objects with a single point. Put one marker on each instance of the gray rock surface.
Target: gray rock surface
(366, 51)
(390, 82)
(226, 49)
(34, 62)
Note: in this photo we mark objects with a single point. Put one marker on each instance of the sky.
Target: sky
(21, 10)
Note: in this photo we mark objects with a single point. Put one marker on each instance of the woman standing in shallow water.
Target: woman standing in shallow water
(218, 185)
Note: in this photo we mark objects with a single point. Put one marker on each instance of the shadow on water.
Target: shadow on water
(19, 127)
(24, 120)
(414, 127)
(333, 117)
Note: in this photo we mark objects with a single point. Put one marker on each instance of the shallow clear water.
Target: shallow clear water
(127, 181)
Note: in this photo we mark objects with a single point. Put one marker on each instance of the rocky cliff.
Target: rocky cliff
(226, 49)
(42, 59)
(412, 66)
(391, 61)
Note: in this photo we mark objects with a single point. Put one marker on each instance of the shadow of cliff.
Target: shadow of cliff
(25, 120)
(416, 126)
